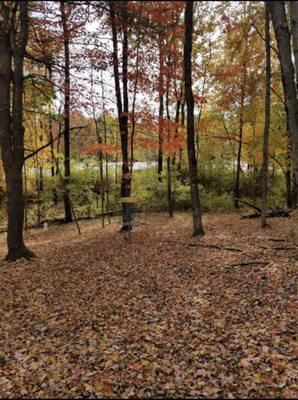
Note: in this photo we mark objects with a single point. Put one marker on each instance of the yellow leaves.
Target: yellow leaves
(244, 363)
(257, 378)
(112, 360)
(89, 388)
(219, 323)
(34, 365)
(145, 363)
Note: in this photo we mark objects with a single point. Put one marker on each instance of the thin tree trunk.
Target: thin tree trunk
(191, 151)
(99, 151)
(11, 127)
(239, 153)
(267, 121)
(177, 116)
(106, 154)
(254, 166)
(288, 170)
(25, 198)
(126, 178)
(282, 34)
(67, 206)
(160, 113)
(50, 130)
(133, 109)
(122, 112)
(294, 23)
(180, 155)
(169, 183)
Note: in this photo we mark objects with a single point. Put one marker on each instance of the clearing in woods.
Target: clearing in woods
(161, 315)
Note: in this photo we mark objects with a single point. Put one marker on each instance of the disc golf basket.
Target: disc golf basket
(128, 214)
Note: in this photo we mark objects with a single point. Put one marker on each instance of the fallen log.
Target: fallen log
(272, 214)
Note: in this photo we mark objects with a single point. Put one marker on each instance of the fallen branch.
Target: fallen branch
(214, 246)
(249, 205)
(61, 221)
(243, 264)
(276, 239)
(272, 214)
(206, 245)
(284, 248)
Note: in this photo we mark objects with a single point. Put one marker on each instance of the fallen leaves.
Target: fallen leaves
(100, 317)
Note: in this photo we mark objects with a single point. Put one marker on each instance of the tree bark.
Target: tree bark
(12, 49)
(192, 161)
(122, 112)
(161, 112)
(294, 23)
(282, 34)
(126, 177)
(180, 155)
(288, 170)
(238, 168)
(67, 206)
(267, 120)
(169, 180)
(50, 130)
(239, 153)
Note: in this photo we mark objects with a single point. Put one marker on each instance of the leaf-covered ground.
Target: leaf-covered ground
(98, 316)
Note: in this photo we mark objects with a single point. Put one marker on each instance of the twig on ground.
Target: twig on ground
(243, 264)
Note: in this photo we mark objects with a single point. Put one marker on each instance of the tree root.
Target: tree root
(22, 252)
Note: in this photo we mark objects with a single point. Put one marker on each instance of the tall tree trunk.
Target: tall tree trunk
(133, 108)
(239, 153)
(106, 154)
(122, 112)
(126, 178)
(191, 151)
(177, 116)
(67, 206)
(161, 111)
(267, 120)
(238, 167)
(99, 151)
(180, 155)
(50, 130)
(169, 180)
(282, 34)
(294, 23)
(288, 169)
(11, 127)
(100, 162)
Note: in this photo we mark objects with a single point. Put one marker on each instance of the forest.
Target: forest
(148, 199)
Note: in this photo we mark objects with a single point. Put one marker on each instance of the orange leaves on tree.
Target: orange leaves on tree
(104, 147)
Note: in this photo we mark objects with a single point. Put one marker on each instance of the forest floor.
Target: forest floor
(99, 316)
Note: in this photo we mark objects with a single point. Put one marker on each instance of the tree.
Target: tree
(267, 120)
(67, 206)
(192, 161)
(122, 107)
(282, 34)
(294, 23)
(13, 41)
